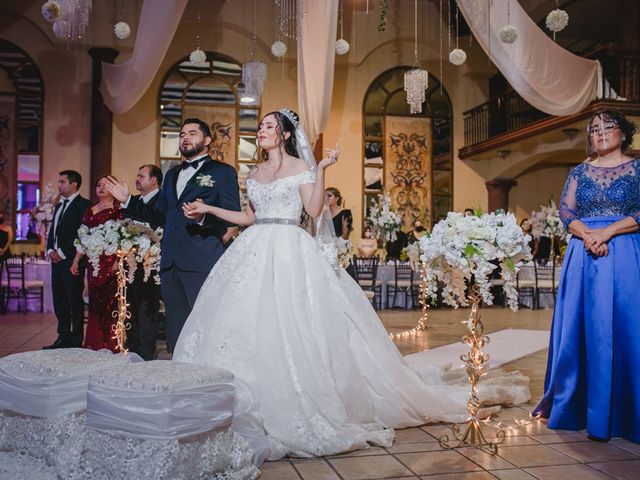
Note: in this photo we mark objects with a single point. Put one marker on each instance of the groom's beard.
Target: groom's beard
(190, 151)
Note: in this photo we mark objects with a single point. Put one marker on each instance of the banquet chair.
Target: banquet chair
(526, 287)
(366, 273)
(545, 281)
(17, 287)
(402, 283)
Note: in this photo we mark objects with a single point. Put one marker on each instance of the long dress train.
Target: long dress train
(316, 369)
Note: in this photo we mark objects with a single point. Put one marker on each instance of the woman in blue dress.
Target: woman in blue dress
(592, 378)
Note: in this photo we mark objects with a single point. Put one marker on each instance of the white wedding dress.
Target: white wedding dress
(317, 372)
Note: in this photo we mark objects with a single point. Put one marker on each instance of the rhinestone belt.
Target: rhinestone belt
(277, 221)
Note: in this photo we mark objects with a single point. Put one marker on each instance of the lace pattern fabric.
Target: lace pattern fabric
(279, 199)
(592, 191)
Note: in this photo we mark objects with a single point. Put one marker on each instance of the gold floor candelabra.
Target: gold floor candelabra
(471, 433)
(122, 313)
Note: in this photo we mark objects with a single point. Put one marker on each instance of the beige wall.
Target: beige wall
(537, 188)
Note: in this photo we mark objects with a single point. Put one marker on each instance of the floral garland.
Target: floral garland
(383, 220)
(547, 222)
(460, 248)
(139, 239)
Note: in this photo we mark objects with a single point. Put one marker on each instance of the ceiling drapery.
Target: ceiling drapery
(125, 83)
(546, 75)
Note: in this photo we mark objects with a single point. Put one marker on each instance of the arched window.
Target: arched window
(408, 156)
(212, 92)
(21, 104)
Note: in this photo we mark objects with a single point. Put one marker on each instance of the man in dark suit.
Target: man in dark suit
(144, 297)
(66, 288)
(189, 248)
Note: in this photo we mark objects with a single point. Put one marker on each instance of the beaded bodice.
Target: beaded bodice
(279, 199)
(592, 191)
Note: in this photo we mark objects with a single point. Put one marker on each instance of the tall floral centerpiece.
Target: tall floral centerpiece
(42, 214)
(384, 221)
(546, 222)
(463, 250)
(134, 243)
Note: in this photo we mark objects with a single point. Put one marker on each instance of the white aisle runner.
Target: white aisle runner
(504, 346)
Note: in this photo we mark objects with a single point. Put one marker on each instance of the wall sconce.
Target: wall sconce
(571, 133)
(503, 154)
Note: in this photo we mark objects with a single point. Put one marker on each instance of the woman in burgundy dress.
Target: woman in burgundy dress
(102, 287)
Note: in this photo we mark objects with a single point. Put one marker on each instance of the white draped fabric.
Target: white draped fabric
(546, 75)
(124, 84)
(316, 60)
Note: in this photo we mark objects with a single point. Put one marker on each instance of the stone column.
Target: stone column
(101, 118)
(498, 193)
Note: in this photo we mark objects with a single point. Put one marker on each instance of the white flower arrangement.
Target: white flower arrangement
(42, 214)
(508, 34)
(342, 46)
(204, 180)
(279, 49)
(547, 222)
(122, 30)
(344, 252)
(557, 20)
(457, 56)
(460, 248)
(198, 57)
(383, 220)
(411, 253)
(51, 11)
(142, 243)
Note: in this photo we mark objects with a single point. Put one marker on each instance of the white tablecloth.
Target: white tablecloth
(387, 274)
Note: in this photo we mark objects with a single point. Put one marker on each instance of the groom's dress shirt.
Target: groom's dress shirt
(57, 219)
(186, 174)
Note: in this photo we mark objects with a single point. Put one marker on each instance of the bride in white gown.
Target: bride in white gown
(317, 372)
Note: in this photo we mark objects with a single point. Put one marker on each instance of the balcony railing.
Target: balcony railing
(510, 112)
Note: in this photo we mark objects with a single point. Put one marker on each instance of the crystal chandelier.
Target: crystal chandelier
(416, 80)
(254, 72)
(73, 20)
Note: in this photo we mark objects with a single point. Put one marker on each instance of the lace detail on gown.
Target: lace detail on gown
(315, 369)
(592, 191)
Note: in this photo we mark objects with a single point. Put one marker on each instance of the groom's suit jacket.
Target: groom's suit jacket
(186, 244)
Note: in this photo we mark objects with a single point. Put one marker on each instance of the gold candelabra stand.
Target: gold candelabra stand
(471, 432)
(424, 299)
(122, 313)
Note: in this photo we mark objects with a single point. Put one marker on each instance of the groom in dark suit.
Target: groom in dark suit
(189, 248)
(66, 288)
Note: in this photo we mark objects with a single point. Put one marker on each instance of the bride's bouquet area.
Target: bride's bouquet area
(344, 252)
(462, 248)
(383, 219)
(546, 222)
(139, 242)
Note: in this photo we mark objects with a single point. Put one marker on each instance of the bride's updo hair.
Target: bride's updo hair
(285, 124)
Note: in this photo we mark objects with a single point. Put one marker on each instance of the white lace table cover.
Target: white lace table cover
(49, 383)
(160, 400)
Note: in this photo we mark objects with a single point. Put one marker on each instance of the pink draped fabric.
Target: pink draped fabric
(124, 84)
(546, 75)
(316, 61)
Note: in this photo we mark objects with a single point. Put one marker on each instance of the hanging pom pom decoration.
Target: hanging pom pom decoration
(198, 57)
(342, 46)
(457, 56)
(122, 30)
(557, 20)
(508, 34)
(279, 49)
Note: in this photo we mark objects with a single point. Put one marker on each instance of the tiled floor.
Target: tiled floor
(532, 452)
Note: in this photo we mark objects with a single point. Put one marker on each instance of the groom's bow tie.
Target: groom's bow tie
(194, 164)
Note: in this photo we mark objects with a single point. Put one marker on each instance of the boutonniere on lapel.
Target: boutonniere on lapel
(204, 180)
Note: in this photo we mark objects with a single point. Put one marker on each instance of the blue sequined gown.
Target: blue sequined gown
(593, 374)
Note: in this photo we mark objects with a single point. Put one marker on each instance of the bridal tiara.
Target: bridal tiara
(293, 118)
